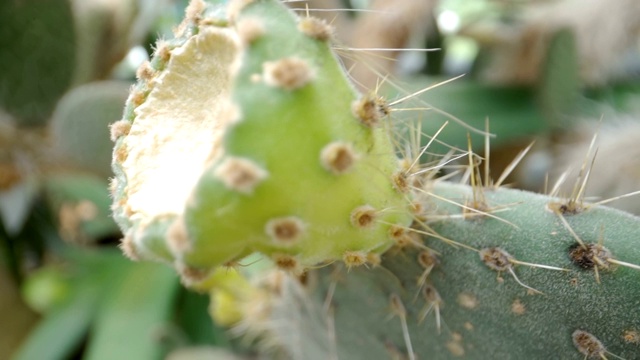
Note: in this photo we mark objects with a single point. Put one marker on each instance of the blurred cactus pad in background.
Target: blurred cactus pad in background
(316, 180)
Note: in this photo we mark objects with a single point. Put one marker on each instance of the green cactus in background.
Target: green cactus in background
(52, 110)
(244, 135)
(31, 92)
(76, 119)
(49, 48)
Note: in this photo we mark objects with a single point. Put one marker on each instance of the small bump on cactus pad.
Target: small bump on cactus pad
(244, 135)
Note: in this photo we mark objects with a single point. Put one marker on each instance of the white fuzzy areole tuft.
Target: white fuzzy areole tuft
(177, 237)
(177, 131)
(119, 128)
(354, 258)
(288, 73)
(240, 174)
(316, 28)
(250, 29)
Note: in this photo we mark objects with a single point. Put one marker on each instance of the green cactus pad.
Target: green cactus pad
(79, 120)
(468, 309)
(37, 57)
(244, 135)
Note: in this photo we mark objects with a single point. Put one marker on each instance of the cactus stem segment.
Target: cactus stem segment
(198, 148)
(240, 174)
(289, 73)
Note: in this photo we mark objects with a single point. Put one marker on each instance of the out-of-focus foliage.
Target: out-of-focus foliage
(66, 291)
(38, 45)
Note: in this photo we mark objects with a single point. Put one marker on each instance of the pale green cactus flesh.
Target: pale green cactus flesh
(465, 308)
(245, 135)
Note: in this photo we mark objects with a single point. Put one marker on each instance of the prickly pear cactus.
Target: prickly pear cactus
(519, 286)
(243, 134)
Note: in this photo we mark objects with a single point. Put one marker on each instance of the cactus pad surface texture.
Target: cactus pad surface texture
(244, 135)
(477, 299)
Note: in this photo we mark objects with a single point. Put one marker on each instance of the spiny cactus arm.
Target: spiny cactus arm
(465, 307)
(243, 134)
